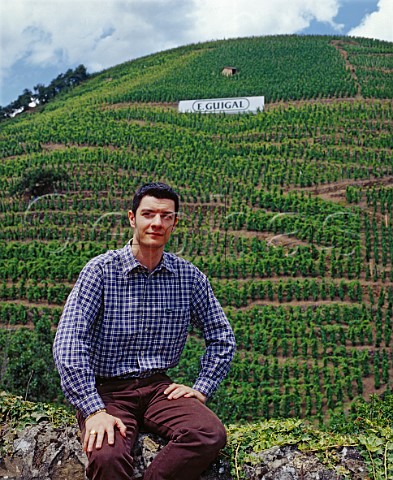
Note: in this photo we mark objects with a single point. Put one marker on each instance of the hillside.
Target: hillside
(289, 212)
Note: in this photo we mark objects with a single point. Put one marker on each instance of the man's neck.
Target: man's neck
(148, 257)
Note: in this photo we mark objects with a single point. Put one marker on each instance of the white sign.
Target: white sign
(223, 105)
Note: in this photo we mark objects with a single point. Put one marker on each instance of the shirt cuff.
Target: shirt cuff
(91, 405)
(206, 386)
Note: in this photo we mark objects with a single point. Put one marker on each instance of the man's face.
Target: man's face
(153, 222)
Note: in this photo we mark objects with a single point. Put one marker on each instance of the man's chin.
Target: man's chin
(157, 242)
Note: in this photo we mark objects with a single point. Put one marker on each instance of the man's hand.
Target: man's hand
(101, 423)
(177, 390)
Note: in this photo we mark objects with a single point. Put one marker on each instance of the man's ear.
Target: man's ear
(175, 222)
(131, 218)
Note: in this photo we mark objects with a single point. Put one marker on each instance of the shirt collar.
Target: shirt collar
(130, 263)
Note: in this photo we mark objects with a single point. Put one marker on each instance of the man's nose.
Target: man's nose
(157, 220)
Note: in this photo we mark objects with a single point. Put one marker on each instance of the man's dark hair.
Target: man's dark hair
(156, 190)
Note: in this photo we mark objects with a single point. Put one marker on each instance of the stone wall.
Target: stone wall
(43, 452)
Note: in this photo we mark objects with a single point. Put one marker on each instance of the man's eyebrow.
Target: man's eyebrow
(149, 210)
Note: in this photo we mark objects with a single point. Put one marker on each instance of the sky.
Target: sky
(39, 39)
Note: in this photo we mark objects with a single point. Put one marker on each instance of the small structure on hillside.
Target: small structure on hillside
(229, 71)
(34, 102)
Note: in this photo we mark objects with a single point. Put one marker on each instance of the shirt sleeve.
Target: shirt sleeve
(73, 343)
(207, 314)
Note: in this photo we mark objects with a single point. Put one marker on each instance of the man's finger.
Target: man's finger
(111, 436)
(120, 425)
(89, 439)
(198, 395)
(90, 442)
(100, 439)
(171, 388)
(177, 392)
(85, 440)
(191, 394)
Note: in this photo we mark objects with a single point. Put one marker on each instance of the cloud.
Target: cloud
(98, 33)
(378, 24)
(236, 18)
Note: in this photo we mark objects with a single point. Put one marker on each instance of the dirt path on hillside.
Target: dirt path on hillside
(335, 191)
(338, 45)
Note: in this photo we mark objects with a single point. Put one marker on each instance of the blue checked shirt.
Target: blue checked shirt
(122, 321)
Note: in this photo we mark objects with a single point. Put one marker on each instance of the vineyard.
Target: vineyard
(289, 212)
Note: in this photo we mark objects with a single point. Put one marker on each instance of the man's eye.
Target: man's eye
(168, 216)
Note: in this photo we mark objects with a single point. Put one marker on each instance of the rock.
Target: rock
(43, 452)
(289, 463)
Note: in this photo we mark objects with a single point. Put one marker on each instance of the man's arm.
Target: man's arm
(71, 351)
(72, 344)
(209, 316)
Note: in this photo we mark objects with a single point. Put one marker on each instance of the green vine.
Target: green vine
(18, 413)
(368, 428)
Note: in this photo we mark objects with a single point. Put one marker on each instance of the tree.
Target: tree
(38, 182)
(62, 82)
(24, 99)
(27, 365)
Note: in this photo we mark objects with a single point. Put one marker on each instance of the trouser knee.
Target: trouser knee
(203, 439)
(109, 463)
(220, 436)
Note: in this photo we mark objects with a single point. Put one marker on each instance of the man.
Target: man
(124, 324)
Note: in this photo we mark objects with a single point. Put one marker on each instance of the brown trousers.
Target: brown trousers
(194, 432)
